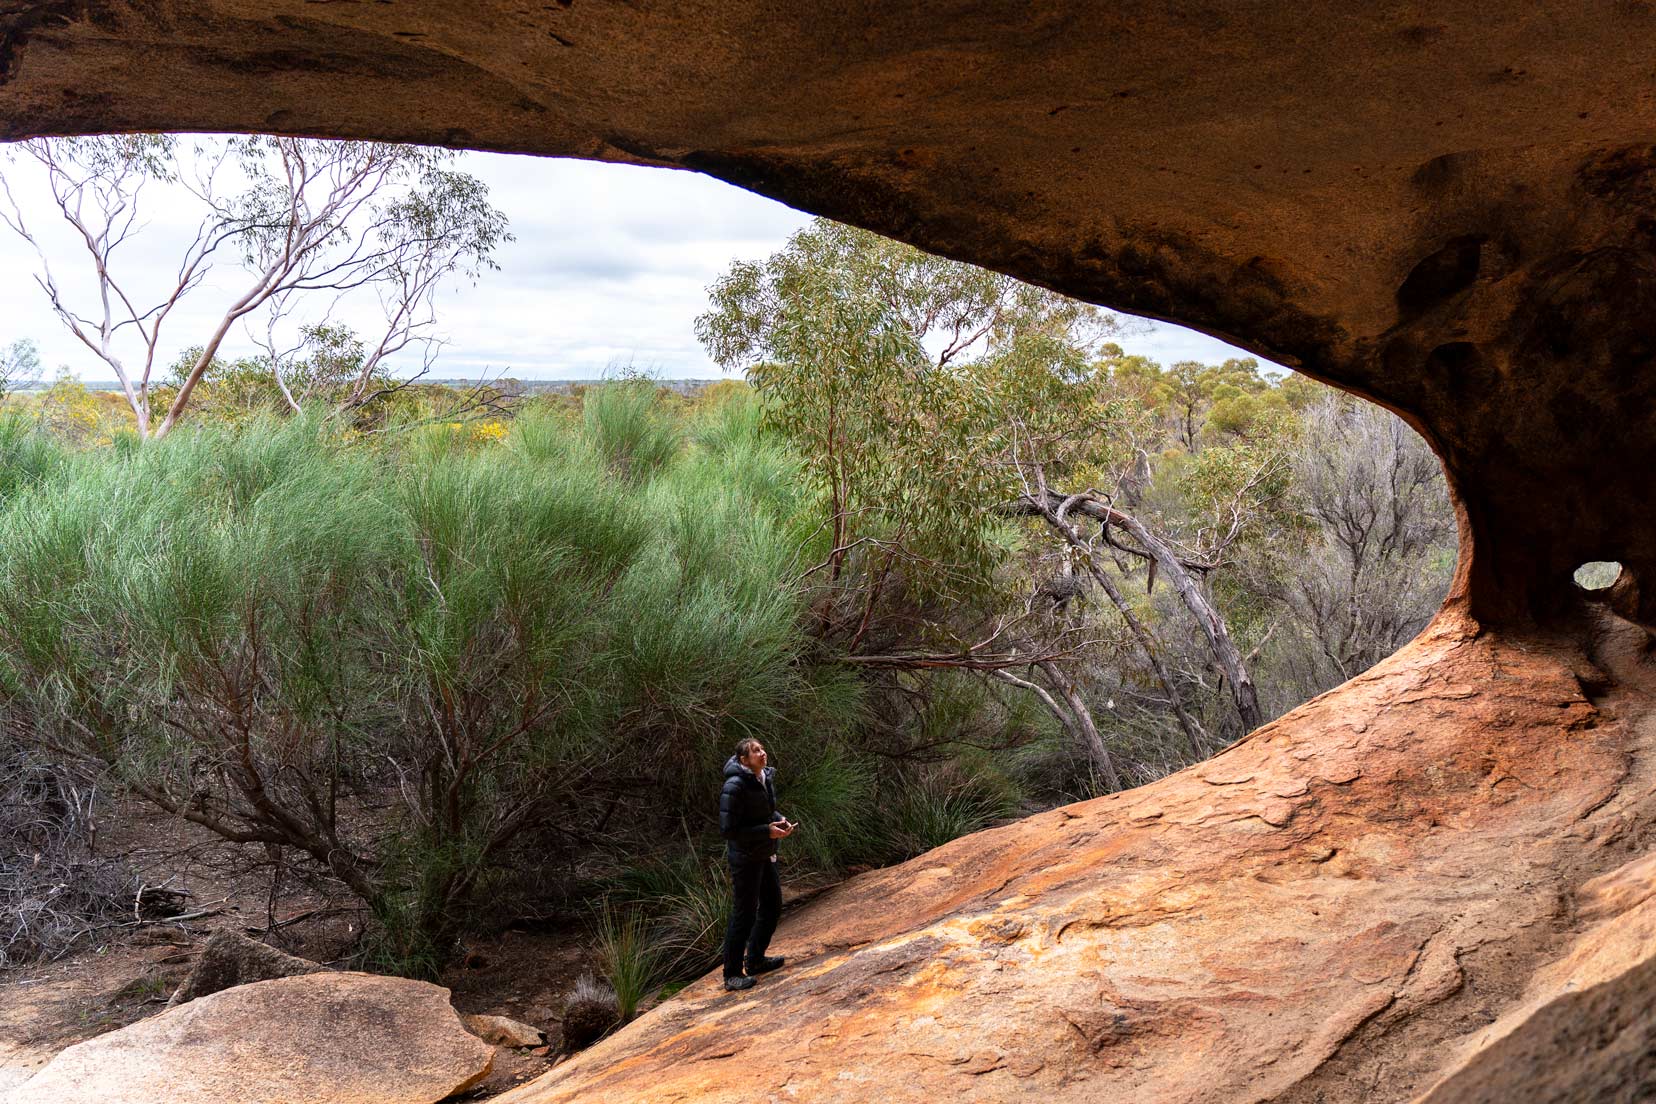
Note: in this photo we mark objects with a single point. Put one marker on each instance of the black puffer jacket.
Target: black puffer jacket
(747, 809)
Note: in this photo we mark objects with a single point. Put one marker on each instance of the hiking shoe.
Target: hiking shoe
(764, 965)
(738, 982)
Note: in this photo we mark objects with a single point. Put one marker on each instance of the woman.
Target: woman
(750, 824)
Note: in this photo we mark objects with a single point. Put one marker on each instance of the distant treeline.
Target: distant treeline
(509, 385)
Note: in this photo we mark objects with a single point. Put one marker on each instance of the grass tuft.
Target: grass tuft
(627, 953)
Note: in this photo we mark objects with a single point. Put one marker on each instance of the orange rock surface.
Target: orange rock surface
(1343, 906)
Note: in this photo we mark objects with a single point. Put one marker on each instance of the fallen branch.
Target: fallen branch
(199, 914)
(296, 918)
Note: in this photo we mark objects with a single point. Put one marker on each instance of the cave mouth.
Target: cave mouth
(1595, 576)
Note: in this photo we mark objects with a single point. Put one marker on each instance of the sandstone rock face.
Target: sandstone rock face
(1448, 208)
(316, 1039)
(1585, 1030)
(1335, 909)
(230, 959)
(1445, 210)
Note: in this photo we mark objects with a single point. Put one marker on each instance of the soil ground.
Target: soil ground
(127, 969)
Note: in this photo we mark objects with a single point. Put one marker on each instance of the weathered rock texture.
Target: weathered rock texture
(503, 1031)
(1582, 1031)
(317, 1039)
(1449, 208)
(1333, 910)
(230, 959)
(1446, 208)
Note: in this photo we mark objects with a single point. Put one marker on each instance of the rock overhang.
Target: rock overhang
(1284, 161)
(1449, 211)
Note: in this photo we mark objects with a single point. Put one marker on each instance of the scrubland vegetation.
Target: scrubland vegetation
(950, 553)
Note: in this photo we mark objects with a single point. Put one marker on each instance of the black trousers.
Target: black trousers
(757, 904)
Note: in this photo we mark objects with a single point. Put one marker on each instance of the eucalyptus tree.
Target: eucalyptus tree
(19, 365)
(892, 371)
(937, 405)
(870, 355)
(303, 222)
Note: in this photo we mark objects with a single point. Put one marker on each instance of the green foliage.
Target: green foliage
(244, 620)
(397, 943)
(687, 898)
(943, 805)
(320, 370)
(28, 455)
(627, 954)
(830, 797)
(629, 430)
(866, 354)
(926, 399)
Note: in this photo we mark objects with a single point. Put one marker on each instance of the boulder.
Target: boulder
(503, 1031)
(231, 959)
(327, 1038)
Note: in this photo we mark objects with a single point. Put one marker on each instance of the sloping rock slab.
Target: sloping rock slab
(1322, 913)
(232, 959)
(330, 1038)
(1586, 1031)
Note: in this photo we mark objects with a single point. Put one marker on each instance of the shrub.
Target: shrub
(624, 421)
(833, 799)
(688, 898)
(27, 454)
(627, 954)
(940, 806)
(245, 624)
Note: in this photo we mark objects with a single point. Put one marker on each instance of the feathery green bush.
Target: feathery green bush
(248, 625)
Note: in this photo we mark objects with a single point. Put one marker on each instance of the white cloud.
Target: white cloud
(610, 265)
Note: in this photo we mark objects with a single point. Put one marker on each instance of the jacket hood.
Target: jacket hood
(733, 767)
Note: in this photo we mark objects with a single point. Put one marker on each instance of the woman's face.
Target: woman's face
(756, 758)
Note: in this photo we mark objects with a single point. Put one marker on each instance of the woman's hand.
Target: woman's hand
(780, 829)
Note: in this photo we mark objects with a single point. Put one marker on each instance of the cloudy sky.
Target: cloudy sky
(610, 268)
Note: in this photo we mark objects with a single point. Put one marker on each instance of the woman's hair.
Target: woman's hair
(745, 748)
